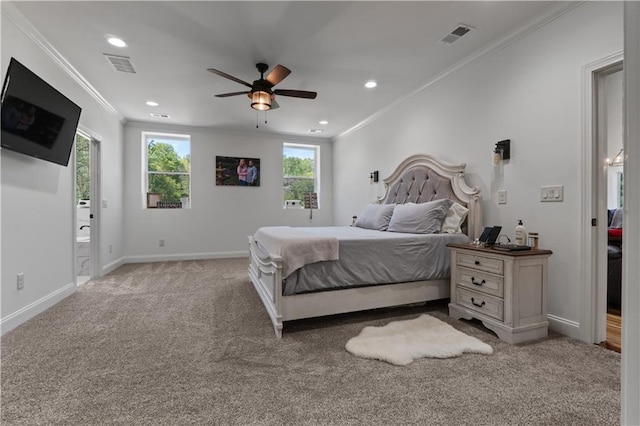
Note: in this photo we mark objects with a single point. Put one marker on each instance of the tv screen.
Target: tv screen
(37, 120)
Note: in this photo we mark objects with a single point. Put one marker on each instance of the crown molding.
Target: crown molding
(550, 14)
(12, 13)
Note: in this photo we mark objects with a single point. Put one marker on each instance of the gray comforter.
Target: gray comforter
(369, 257)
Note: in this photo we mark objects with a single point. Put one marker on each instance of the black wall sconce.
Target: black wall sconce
(504, 148)
(373, 177)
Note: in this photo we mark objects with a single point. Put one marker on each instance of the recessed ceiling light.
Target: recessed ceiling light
(370, 84)
(151, 103)
(115, 41)
(316, 130)
(323, 122)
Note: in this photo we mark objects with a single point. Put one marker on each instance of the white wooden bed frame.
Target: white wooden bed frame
(266, 273)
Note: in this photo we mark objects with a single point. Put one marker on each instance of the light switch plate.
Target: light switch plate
(552, 193)
(502, 196)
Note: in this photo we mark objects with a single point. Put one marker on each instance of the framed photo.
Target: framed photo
(237, 171)
(153, 198)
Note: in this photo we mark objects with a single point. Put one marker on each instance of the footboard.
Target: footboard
(265, 271)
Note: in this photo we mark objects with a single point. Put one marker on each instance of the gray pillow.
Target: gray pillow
(424, 218)
(375, 216)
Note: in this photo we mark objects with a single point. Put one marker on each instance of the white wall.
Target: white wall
(220, 217)
(38, 198)
(530, 92)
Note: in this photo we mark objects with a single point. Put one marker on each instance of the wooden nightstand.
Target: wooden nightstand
(507, 291)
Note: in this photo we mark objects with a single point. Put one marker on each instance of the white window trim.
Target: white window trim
(316, 149)
(145, 163)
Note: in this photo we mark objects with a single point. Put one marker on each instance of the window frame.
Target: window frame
(145, 162)
(316, 175)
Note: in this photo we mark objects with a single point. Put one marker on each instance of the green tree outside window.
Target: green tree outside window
(169, 172)
(299, 172)
(83, 182)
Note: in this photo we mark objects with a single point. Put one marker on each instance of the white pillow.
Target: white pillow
(455, 216)
(424, 218)
(375, 216)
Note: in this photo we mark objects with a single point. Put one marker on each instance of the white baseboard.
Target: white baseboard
(113, 265)
(14, 319)
(564, 326)
(185, 256)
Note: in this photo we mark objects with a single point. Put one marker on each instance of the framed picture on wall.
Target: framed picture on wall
(237, 171)
(153, 198)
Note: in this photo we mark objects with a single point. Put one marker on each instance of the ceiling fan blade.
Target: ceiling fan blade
(274, 104)
(278, 74)
(230, 77)
(296, 93)
(226, 95)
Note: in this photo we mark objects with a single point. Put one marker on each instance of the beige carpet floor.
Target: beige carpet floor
(181, 343)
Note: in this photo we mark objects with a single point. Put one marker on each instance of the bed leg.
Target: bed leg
(278, 330)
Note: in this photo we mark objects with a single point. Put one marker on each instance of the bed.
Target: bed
(295, 281)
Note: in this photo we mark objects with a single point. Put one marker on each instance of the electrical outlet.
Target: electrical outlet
(20, 281)
(161, 243)
(502, 196)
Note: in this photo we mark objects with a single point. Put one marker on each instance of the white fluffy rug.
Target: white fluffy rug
(402, 342)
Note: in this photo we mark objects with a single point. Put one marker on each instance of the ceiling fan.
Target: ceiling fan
(262, 95)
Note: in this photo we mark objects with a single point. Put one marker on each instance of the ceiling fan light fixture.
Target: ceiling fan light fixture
(261, 100)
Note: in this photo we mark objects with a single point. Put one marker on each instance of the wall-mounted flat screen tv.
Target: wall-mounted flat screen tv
(37, 120)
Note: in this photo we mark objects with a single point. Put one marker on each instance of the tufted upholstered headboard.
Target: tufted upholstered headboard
(421, 178)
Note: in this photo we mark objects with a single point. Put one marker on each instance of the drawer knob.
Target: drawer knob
(477, 262)
(479, 305)
(473, 281)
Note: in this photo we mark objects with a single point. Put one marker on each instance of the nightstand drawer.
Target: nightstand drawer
(481, 263)
(482, 303)
(481, 282)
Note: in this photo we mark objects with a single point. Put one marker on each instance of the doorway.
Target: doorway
(87, 197)
(608, 172)
(83, 208)
(612, 105)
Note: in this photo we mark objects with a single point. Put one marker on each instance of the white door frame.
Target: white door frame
(630, 382)
(94, 212)
(594, 238)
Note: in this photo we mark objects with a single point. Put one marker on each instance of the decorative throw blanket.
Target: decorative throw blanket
(295, 246)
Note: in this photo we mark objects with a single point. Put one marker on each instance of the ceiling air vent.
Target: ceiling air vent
(120, 63)
(461, 30)
(159, 115)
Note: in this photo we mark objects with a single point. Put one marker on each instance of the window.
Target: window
(300, 171)
(168, 170)
(83, 183)
(620, 187)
